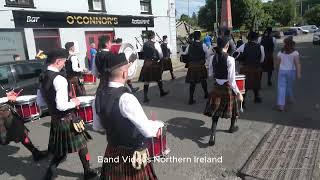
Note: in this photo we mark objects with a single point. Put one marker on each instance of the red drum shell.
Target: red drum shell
(27, 107)
(241, 83)
(89, 79)
(157, 146)
(85, 109)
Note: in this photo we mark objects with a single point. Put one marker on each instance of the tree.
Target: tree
(312, 16)
(286, 10)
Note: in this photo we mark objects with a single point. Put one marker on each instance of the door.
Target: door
(93, 37)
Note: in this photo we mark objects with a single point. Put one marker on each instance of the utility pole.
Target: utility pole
(217, 16)
(188, 8)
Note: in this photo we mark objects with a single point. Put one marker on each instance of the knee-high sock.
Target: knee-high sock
(214, 125)
(256, 93)
(192, 89)
(85, 158)
(204, 87)
(28, 144)
(56, 160)
(233, 122)
(145, 90)
(160, 84)
(269, 76)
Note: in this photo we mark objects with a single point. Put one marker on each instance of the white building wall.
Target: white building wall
(31, 45)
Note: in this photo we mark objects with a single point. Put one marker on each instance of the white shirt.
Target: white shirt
(75, 64)
(287, 60)
(241, 49)
(60, 84)
(130, 108)
(231, 74)
(94, 66)
(157, 46)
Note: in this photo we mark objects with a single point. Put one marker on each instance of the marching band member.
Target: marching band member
(104, 45)
(166, 60)
(120, 115)
(63, 137)
(269, 43)
(73, 70)
(12, 127)
(225, 93)
(152, 67)
(252, 57)
(197, 71)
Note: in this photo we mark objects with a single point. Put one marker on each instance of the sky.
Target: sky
(194, 6)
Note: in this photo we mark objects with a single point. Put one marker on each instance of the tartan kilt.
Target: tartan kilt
(123, 170)
(196, 73)
(78, 87)
(151, 71)
(63, 138)
(253, 77)
(224, 102)
(268, 64)
(167, 64)
(11, 126)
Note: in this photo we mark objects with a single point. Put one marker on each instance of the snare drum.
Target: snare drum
(27, 107)
(157, 146)
(241, 83)
(85, 108)
(89, 78)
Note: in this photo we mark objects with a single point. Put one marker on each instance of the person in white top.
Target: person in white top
(225, 94)
(12, 128)
(288, 61)
(74, 71)
(121, 116)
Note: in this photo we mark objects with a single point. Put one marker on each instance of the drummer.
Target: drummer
(63, 139)
(120, 114)
(225, 93)
(13, 129)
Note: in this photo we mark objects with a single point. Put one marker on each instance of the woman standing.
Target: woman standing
(289, 65)
(225, 94)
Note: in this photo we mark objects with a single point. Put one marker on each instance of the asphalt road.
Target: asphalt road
(188, 130)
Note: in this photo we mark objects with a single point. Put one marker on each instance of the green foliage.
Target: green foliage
(313, 15)
(193, 21)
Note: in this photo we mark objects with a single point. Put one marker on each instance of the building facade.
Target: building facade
(28, 26)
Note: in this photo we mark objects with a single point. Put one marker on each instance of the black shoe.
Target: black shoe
(134, 90)
(89, 174)
(257, 100)
(164, 93)
(233, 129)
(39, 155)
(191, 101)
(269, 83)
(146, 100)
(51, 173)
(212, 141)
(173, 77)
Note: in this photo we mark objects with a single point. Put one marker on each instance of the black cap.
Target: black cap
(68, 45)
(106, 62)
(164, 37)
(197, 35)
(56, 54)
(150, 34)
(222, 42)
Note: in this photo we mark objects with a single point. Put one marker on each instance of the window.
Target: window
(6, 77)
(145, 6)
(97, 5)
(28, 71)
(20, 3)
(46, 39)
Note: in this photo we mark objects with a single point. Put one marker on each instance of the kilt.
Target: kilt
(11, 126)
(224, 102)
(167, 64)
(78, 87)
(253, 77)
(63, 138)
(196, 73)
(123, 170)
(268, 64)
(151, 71)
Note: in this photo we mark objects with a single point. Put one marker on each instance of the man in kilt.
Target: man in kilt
(197, 71)
(166, 60)
(251, 60)
(225, 94)
(269, 43)
(12, 127)
(74, 71)
(64, 138)
(152, 66)
(119, 113)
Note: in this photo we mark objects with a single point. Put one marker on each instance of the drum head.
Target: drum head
(129, 51)
(86, 99)
(3, 100)
(240, 76)
(27, 98)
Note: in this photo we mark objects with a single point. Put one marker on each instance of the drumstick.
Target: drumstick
(74, 93)
(241, 109)
(19, 92)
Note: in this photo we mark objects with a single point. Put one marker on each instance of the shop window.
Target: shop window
(6, 77)
(47, 39)
(97, 5)
(145, 6)
(20, 3)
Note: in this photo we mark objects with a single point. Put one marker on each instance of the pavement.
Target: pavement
(188, 130)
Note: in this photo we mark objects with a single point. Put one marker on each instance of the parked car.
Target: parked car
(316, 37)
(276, 34)
(290, 32)
(20, 75)
(310, 28)
(300, 30)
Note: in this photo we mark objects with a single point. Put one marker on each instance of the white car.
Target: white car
(300, 30)
(316, 37)
(310, 28)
